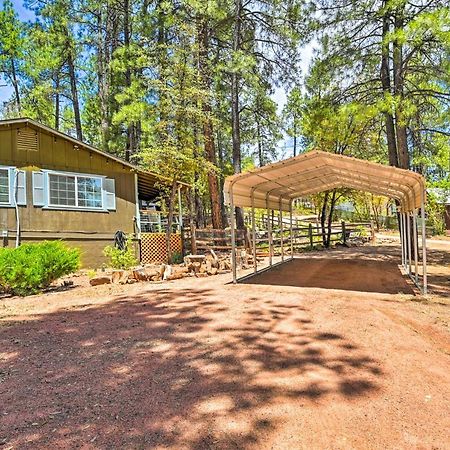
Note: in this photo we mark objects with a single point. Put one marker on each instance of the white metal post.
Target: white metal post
(291, 230)
(408, 236)
(424, 247)
(281, 233)
(233, 235)
(255, 268)
(416, 255)
(269, 232)
(401, 238)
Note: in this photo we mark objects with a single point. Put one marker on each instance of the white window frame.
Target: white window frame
(75, 207)
(10, 203)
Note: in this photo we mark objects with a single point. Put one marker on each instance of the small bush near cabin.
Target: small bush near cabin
(30, 268)
(121, 259)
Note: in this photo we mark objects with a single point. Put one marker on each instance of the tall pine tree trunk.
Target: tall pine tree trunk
(73, 87)
(235, 120)
(15, 84)
(400, 121)
(131, 129)
(57, 106)
(208, 132)
(103, 73)
(386, 85)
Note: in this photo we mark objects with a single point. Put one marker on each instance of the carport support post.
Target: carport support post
(255, 268)
(416, 256)
(269, 234)
(408, 234)
(281, 232)
(290, 230)
(233, 235)
(424, 246)
(401, 233)
(402, 237)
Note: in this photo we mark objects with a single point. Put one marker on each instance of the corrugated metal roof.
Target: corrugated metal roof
(275, 185)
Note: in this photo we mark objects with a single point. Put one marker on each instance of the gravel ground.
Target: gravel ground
(202, 364)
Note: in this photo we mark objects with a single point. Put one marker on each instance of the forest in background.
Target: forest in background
(185, 87)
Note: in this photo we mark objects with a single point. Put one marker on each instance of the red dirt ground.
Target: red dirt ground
(200, 364)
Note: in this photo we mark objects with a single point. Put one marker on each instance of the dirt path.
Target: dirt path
(200, 364)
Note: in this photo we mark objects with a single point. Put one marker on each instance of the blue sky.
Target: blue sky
(25, 15)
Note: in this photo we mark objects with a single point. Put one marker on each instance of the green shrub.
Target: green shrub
(31, 267)
(121, 259)
(177, 258)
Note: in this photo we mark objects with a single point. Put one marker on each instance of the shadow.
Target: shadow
(171, 368)
(359, 274)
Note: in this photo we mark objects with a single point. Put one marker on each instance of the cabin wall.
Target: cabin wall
(90, 231)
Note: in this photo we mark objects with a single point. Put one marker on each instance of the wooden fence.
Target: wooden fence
(303, 236)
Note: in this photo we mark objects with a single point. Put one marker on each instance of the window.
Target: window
(4, 186)
(77, 191)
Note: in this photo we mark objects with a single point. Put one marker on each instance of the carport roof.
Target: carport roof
(274, 186)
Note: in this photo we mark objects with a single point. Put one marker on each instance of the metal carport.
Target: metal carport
(275, 186)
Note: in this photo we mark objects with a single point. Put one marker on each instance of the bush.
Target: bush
(30, 268)
(121, 259)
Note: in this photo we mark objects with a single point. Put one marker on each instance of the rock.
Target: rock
(194, 258)
(119, 276)
(139, 274)
(202, 274)
(97, 281)
(175, 276)
(212, 271)
(167, 272)
(151, 272)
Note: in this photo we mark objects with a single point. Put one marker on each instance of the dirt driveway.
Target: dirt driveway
(199, 364)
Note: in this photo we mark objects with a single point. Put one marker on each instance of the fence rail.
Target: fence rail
(302, 236)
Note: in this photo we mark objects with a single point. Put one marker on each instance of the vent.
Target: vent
(27, 140)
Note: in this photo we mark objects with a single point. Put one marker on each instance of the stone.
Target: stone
(194, 258)
(139, 274)
(151, 272)
(167, 272)
(213, 271)
(119, 276)
(97, 281)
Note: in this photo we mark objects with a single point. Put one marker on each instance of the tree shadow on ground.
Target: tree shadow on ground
(170, 368)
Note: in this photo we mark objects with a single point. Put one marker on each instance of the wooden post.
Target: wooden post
(344, 237)
(310, 234)
(372, 231)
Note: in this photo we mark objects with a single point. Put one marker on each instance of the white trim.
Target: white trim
(75, 207)
(12, 174)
